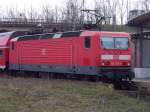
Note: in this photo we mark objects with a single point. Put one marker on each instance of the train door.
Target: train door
(18, 59)
(87, 51)
(75, 56)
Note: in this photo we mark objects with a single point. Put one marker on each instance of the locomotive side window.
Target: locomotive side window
(87, 42)
(1, 53)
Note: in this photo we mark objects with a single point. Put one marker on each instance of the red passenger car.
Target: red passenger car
(92, 53)
(4, 47)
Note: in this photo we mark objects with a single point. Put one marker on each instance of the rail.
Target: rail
(136, 89)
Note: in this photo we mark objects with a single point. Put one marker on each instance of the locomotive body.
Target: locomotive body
(93, 53)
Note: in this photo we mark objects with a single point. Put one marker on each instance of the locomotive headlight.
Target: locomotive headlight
(129, 64)
(107, 57)
(124, 57)
(103, 64)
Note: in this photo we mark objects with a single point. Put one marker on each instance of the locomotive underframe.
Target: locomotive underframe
(112, 73)
(117, 73)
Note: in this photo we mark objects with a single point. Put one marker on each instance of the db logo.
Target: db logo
(116, 57)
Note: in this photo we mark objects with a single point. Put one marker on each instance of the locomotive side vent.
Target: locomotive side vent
(50, 35)
(46, 36)
(36, 37)
(71, 34)
(30, 37)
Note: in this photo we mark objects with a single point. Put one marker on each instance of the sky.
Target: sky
(37, 3)
(34, 3)
(25, 5)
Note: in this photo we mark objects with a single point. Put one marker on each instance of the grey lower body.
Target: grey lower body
(102, 72)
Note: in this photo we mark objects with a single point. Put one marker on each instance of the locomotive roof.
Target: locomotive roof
(5, 34)
(50, 35)
(12, 34)
(4, 37)
(60, 35)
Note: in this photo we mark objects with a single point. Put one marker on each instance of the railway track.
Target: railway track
(139, 89)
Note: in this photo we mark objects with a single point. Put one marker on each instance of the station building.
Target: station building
(141, 40)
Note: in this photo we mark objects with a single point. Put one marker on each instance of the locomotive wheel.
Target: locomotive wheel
(11, 73)
(51, 75)
(79, 78)
(84, 77)
(96, 78)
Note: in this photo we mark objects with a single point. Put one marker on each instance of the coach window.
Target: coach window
(1, 53)
(87, 42)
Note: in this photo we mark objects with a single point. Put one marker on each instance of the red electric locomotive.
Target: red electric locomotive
(4, 47)
(107, 55)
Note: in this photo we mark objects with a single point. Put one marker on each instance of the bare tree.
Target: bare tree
(101, 7)
(81, 14)
(48, 13)
(72, 12)
(122, 10)
(107, 8)
(32, 14)
(128, 9)
(112, 5)
(146, 5)
(1, 13)
(56, 13)
(11, 14)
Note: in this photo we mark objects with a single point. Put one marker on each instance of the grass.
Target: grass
(41, 95)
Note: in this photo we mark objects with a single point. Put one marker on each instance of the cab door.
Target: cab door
(87, 51)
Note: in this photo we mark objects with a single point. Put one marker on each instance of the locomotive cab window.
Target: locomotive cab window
(115, 42)
(107, 42)
(87, 42)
